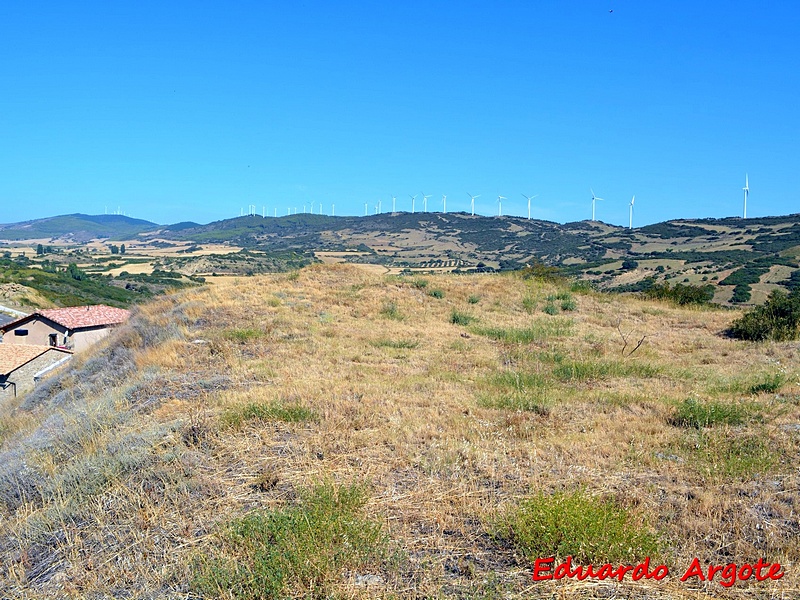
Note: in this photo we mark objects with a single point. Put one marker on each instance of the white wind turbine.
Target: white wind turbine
(444, 203)
(746, 190)
(366, 209)
(425, 201)
(333, 210)
(413, 199)
(593, 201)
(394, 204)
(500, 205)
(630, 223)
(529, 198)
(472, 202)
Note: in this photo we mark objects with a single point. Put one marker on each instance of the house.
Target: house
(74, 328)
(21, 366)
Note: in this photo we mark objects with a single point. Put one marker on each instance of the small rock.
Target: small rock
(368, 580)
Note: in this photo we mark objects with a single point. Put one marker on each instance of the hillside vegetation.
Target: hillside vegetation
(335, 433)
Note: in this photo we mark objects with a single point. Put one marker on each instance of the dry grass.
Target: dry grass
(122, 488)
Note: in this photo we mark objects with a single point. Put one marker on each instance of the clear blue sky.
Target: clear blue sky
(193, 110)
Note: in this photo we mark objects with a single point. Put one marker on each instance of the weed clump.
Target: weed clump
(270, 411)
(473, 299)
(298, 552)
(460, 318)
(391, 311)
(589, 529)
(438, 294)
(538, 330)
(696, 414)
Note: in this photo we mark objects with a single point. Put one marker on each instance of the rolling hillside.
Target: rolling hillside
(741, 261)
(362, 436)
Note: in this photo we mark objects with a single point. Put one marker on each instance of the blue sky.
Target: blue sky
(179, 111)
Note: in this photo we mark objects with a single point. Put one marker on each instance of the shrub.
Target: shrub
(589, 529)
(460, 318)
(297, 552)
(438, 294)
(681, 294)
(474, 299)
(550, 309)
(777, 319)
(741, 293)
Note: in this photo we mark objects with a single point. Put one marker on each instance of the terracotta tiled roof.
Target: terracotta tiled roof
(13, 356)
(77, 317)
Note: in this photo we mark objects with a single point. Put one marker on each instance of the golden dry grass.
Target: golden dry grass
(399, 398)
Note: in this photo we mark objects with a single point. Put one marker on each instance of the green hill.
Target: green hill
(76, 228)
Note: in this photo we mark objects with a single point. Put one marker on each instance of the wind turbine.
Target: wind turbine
(394, 204)
(380, 203)
(366, 208)
(746, 190)
(593, 200)
(425, 202)
(333, 210)
(472, 202)
(413, 199)
(500, 205)
(444, 203)
(630, 224)
(529, 198)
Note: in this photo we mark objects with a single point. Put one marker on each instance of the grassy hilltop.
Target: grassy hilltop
(337, 433)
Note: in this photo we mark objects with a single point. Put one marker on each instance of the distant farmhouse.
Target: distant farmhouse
(22, 366)
(74, 328)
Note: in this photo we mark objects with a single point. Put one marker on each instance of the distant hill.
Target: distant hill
(76, 228)
(744, 259)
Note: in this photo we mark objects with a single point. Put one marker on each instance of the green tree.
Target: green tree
(74, 272)
(39, 250)
(122, 249)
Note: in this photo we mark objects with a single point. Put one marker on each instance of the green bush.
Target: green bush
(590, 529)
(777, 319)
(460, 318)
(298, 552)
(438, 294)
(474, 299)
(681, 294)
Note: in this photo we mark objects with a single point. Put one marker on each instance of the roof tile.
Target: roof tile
(13, 356)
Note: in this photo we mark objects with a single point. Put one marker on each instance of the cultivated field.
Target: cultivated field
(339, 433)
